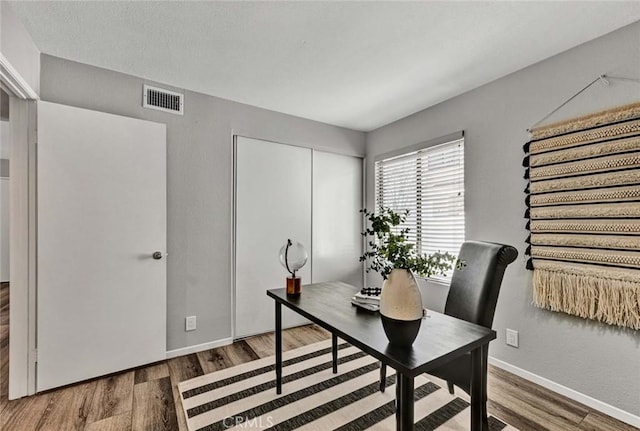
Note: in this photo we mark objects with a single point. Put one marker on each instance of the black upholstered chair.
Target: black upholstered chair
(473, 296)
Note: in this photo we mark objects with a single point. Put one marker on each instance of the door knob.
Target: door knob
(157, 255)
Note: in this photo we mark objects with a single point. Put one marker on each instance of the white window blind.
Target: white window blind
(430, 184)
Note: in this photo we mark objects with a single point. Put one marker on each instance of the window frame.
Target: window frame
(407, 151)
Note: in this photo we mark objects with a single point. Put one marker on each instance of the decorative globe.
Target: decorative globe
(293, 256)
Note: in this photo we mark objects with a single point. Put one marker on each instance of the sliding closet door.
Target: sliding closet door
(273, 203)
(337, 222)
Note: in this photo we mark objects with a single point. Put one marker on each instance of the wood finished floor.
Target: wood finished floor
(146, 398)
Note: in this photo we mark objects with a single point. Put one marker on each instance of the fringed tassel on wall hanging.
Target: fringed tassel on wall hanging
(583, 213)
(527, 202)
(609, 295)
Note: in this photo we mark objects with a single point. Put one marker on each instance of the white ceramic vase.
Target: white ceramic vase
(401, 307)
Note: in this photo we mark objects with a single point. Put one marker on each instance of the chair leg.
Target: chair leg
(450, 387)
(383, 376)
(485, 418)
(485, 397)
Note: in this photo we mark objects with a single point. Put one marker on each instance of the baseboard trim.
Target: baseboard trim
(588, 401)
(198, 348)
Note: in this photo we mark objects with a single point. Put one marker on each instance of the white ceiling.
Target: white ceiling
(359, 65)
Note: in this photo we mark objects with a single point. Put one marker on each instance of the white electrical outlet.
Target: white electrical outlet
(190, 323)
(512, 338)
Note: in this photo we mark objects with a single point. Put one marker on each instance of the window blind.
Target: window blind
(430, 184)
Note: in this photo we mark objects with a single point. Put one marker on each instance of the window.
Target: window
(429, 182)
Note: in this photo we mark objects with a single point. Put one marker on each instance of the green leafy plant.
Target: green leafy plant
(389, 249)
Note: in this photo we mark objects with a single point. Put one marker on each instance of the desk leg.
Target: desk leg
(404, 402)
(479, 389)
(278, 348)
(334, 352)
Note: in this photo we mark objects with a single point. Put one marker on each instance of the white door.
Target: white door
(101, 216)
(337, 221)
(273, 204)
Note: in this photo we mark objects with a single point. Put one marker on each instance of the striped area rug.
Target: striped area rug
(313, 398)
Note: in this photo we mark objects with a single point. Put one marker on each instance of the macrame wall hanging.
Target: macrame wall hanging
(583, 211)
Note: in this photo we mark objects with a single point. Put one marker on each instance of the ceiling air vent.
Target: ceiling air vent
(163, 100)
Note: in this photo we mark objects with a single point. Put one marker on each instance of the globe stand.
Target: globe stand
(294, 286)
(293, 256)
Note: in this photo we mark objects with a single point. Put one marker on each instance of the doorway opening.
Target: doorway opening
(5, 139)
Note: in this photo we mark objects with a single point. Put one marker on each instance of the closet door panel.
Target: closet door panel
(337, 221)
(273, 203)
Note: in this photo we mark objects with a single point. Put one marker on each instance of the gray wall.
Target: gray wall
(595, 359)
(199, 175)
(18, 48)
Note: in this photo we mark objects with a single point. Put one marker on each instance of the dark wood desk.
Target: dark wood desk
(441, 339)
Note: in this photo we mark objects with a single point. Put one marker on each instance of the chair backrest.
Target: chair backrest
(475, 287)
